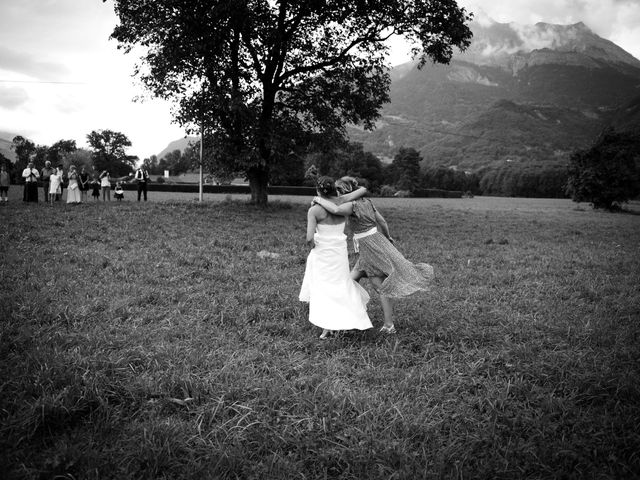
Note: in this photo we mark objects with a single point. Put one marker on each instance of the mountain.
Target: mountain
(519, 93)
(179, 144)
(6, 139)
(627, 118)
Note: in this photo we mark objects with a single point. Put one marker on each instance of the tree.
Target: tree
(264, 77)
(59, 151)
(151, 164)
(406, 169)
(607, 174)
(109, 152)
(40, 155)
(346, 158)
(80, 157)
(24, 149)
(178, 162)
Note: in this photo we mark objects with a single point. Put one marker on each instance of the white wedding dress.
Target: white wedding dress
(336, 302)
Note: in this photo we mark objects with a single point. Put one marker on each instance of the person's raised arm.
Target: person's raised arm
(343, 210)
(350, 197)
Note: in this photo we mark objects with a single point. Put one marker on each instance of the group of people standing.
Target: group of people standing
(78, 184)
(336, 300)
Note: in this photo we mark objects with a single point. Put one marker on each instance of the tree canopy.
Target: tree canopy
(24, 150)
(263, 78)
(109, 152)
(608, 173)
(405, 169)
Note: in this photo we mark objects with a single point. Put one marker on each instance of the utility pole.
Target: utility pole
(201, 145)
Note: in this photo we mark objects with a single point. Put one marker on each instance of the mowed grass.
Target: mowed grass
(150, 340)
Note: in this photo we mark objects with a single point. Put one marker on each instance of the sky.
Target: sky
(62, 77)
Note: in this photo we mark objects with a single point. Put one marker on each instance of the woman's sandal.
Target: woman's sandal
(388, 330)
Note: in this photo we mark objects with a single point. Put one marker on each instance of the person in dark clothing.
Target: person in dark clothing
(31, 176)
(45, 176)
(142, 176)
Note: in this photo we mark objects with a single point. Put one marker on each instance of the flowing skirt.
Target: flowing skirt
(336, 302)
(379, 258)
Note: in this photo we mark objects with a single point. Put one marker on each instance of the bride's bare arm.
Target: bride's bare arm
(311, 226)
(343, 210)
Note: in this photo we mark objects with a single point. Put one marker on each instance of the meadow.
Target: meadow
(155, 341)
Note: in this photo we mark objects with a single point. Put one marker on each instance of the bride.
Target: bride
(336, 301)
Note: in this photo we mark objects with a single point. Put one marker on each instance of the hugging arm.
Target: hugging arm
(350, 197)
(343, 210)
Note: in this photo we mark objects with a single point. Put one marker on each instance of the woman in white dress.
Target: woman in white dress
(73, 190)
(336, 301)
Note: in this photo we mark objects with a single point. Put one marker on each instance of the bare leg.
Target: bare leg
(387, 307)
(358, 275)
(325, 334)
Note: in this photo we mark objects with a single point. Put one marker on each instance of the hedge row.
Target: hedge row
(194, 188)
(272, 190)
(436, 193)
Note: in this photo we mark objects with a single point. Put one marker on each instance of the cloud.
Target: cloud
(616, 20)
(535, 37)
(28, 64)
(12, 97)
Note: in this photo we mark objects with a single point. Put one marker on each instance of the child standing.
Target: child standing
(95, 189)
(118, 193)
(54, 185)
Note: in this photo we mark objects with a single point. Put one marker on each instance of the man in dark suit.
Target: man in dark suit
(142, 176)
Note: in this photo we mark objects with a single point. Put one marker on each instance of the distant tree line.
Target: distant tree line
(175, 162)
(606, 175)
(408, 174)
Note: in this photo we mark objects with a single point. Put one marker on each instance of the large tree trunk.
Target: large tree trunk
(258, 182)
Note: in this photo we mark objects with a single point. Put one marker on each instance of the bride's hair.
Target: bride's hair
(326, 186)
(346, 185)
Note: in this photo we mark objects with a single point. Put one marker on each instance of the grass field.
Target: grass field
(150, 340)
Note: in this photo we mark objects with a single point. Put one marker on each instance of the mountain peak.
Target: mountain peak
(497, 44)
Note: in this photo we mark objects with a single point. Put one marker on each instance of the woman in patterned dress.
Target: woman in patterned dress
(392, 275)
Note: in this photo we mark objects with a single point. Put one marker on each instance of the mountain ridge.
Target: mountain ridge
(553, 87)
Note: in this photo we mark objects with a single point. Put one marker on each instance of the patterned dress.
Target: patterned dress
(379, 258)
